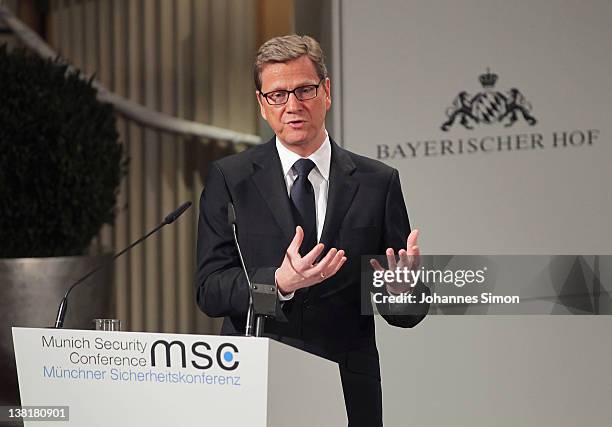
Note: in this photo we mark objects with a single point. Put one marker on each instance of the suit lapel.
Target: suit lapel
(342, 189)
(269, 180)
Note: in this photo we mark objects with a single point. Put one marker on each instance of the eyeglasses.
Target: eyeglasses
(302, 93)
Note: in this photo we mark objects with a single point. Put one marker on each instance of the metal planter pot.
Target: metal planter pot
(30, 292)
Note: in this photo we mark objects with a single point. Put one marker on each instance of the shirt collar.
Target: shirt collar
(321, 157)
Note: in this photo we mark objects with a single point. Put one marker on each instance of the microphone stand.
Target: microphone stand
(262, 298)
(250, 314)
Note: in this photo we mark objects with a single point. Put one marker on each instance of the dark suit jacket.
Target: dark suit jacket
(365, 215)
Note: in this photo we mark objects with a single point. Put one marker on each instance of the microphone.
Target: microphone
(262, 297)
(231, 214)
(169, 219)
(231, 219)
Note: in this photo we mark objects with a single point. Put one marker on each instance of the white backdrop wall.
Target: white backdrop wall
(540, 188)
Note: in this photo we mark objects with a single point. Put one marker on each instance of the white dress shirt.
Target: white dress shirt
(318, 177)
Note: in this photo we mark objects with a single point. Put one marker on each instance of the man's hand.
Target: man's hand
(408, 258)
(298, 272)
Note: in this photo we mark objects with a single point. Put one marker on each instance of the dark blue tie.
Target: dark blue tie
(303, 201)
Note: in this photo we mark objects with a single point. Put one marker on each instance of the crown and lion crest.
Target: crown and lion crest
(489, 106)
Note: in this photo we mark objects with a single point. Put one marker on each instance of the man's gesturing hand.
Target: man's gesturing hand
(409, 258)
(298, 272)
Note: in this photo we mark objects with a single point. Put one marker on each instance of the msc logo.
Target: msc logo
(225, 354)
(488, 106)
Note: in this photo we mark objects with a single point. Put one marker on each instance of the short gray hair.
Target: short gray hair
(287, 48)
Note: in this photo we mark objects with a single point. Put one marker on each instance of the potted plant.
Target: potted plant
(61, 163)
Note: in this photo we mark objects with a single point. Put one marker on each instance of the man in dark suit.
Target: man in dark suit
(306, 211)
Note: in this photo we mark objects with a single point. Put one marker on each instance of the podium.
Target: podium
(153, 379)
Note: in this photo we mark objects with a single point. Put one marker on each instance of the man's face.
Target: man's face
(300, 125)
